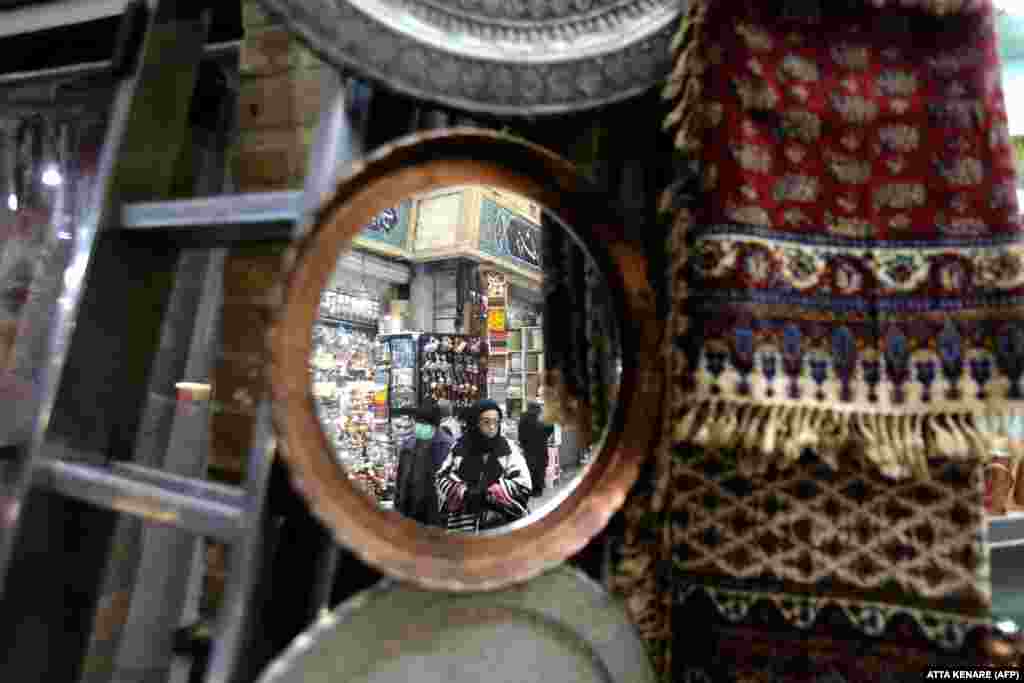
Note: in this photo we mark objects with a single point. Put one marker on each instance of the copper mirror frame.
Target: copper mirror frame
(398, 547)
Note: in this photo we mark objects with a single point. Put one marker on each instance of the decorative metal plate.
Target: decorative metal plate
(559, 627)
(518, 57)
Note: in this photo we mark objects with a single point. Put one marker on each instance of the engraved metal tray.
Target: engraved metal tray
(507, 57)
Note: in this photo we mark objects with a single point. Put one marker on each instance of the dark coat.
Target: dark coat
(484, 482)
(418, 463)
(533, 439)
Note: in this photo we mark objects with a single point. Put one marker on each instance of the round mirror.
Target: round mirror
(433, 387)
(451, 372)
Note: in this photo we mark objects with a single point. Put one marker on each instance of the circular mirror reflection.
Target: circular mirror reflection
(465, 360)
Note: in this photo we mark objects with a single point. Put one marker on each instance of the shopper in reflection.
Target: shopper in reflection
(420, 456)
(533, 439)
(484, 482)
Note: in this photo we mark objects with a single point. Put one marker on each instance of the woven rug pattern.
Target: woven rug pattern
(849, 530)
(763, 650)
(865, 568)
(853, 273)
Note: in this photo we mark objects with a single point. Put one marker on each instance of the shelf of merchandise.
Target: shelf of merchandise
(524, 367)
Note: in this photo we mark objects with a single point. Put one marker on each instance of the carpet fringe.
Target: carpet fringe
(778, 436)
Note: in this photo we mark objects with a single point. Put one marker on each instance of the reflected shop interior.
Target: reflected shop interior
(431, 368)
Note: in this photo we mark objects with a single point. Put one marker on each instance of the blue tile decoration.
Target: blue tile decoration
(509, 236)
(390, 226)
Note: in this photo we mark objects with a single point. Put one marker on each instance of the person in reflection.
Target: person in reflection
(533, 439)
(420, 456)
(484, 482)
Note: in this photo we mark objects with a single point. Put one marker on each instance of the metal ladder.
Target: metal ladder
(156, 66)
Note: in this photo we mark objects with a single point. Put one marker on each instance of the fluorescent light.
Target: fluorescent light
(62, 235)
(12, 202)
(52, 177)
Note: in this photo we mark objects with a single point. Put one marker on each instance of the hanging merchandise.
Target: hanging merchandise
(341, 356)
(420, 367)
(851, 277)
(496, 320)
(496, 287)
(359, 306)
(453, 368)
(348, 400)
(843, 308)
(397, 365)
(367, 456)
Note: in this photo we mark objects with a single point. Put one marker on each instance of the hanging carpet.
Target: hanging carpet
(851, 273)
(808, 573)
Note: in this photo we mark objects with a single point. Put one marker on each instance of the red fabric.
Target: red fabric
(930, 105)
(858, 247)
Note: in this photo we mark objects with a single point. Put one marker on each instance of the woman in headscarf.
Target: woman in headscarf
(484, 482)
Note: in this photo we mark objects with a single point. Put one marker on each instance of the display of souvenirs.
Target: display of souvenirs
(356, 420)
(403, 388)
(522, 315)
(341, 355)
(367, 456)
(497, 313)
(339, 305)
(453, 368)
(496, 285)
(396, 364)
(341, 352)
(347, 404)
(373, 469)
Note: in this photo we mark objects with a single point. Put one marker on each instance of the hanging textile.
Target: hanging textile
(852, 275)
(812, 572)
(641, 565)
(728, 575)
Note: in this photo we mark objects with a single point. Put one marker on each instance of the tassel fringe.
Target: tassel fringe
(684, 85)
(899, 445)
